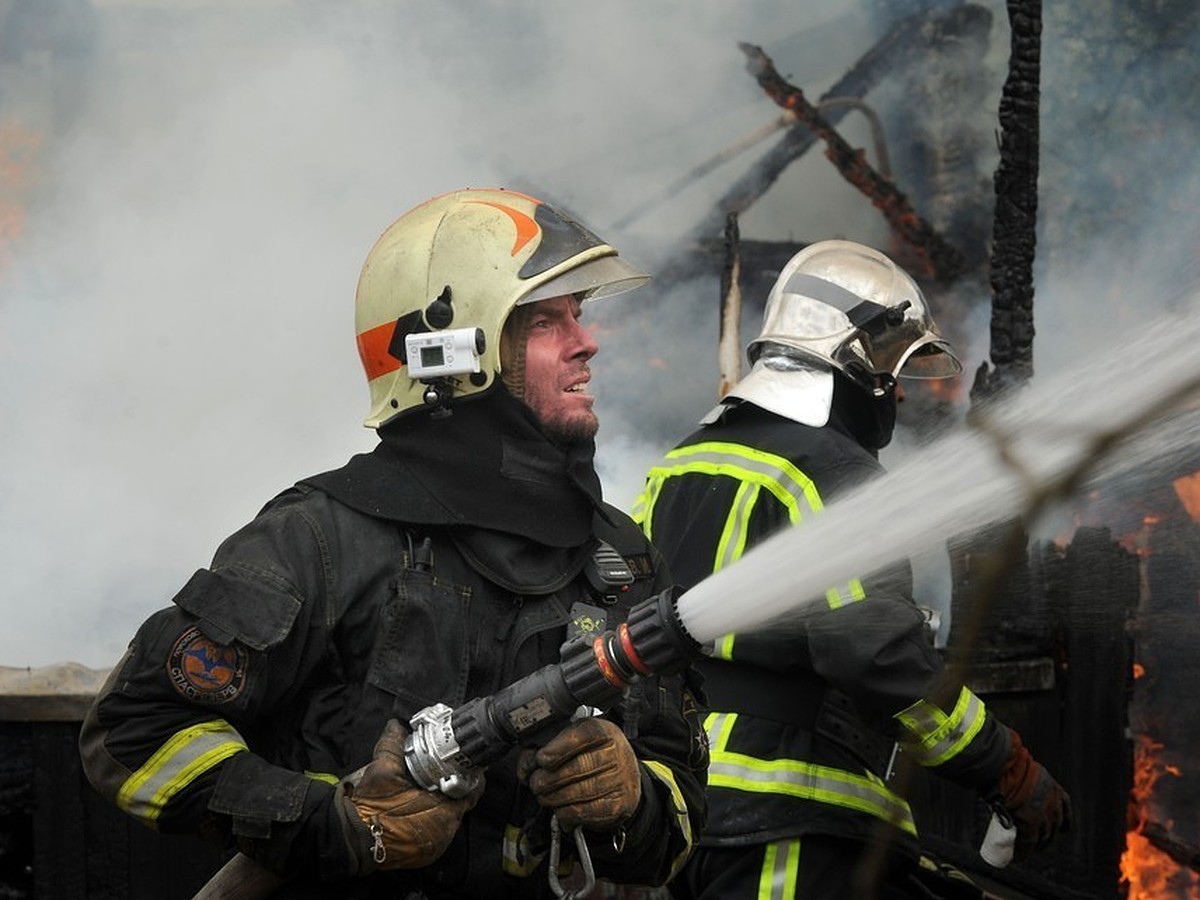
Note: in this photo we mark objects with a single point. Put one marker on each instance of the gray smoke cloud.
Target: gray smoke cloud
(176, 313)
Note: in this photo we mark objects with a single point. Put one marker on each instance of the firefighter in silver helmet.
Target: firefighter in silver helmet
(268, 707)
(802, 721)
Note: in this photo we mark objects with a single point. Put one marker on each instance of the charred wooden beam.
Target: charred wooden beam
(1014, 240)
(729, 353)
(910, 36)
(941, 261)
(1184, 854)
(883, 160)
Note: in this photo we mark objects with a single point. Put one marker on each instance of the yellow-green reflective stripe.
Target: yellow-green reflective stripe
(732, 543)
(717, 726)
(322, 776)
(854, 588)
(679, 807)
(937, 736)
(723, 647)
(643, 506)
(185, 756)
(775, 473)
(809, 781)
(781, 866)
(516, 859)
(753, 467)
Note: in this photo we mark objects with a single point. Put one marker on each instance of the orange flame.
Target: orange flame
(18, 147)
(1150, 873)
(950, 390)
(1188, 490)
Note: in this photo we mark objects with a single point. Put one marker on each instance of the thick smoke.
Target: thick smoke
(176, 305)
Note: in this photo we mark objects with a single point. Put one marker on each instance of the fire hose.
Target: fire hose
(449, 750)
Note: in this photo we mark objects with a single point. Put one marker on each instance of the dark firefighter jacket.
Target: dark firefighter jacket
(802, 719)
(236, 710)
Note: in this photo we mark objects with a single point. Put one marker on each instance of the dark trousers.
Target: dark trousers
(815, 867)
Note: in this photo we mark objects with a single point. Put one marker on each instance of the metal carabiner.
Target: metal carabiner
(585, 860)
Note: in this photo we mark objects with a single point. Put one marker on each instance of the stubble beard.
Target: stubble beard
(574, 430)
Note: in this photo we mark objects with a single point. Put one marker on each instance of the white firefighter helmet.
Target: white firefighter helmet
(458, 265)
(840, 305)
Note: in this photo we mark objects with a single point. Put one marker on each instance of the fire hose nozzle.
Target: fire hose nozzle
(449, 749)
(658, 637)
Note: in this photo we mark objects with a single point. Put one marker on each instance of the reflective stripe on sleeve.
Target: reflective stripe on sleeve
(723, 647)
(326, 777)
(795, 778)
(185, 756)
(936, 736)
(854, 592)
(679, 807)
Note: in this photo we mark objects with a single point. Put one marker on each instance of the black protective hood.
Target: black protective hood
(870, 420)
(486, 465)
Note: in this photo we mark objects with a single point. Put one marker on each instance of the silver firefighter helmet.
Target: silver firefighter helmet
(846, 306)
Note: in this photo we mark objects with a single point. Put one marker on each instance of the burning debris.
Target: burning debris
(1154, 863)
(916, 34)
(941, 262)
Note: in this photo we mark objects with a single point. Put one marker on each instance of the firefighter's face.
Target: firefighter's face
(557, 351)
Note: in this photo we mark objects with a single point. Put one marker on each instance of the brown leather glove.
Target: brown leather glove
(1040, 808)
(587, 774)
(412, 827)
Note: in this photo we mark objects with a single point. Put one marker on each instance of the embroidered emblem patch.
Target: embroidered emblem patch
(585, 620)
(203, 670)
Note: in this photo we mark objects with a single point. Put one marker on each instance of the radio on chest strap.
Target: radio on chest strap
(608, 574)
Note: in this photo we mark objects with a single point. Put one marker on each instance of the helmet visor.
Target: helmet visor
(928, 357)
(606, 276)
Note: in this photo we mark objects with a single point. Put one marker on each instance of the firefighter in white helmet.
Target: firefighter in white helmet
(802, 721)
(269, 706)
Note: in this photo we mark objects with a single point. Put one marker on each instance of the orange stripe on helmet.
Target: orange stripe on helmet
(373, 350)
(527, 229)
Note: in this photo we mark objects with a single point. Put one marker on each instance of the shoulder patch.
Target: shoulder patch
(204, 671)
